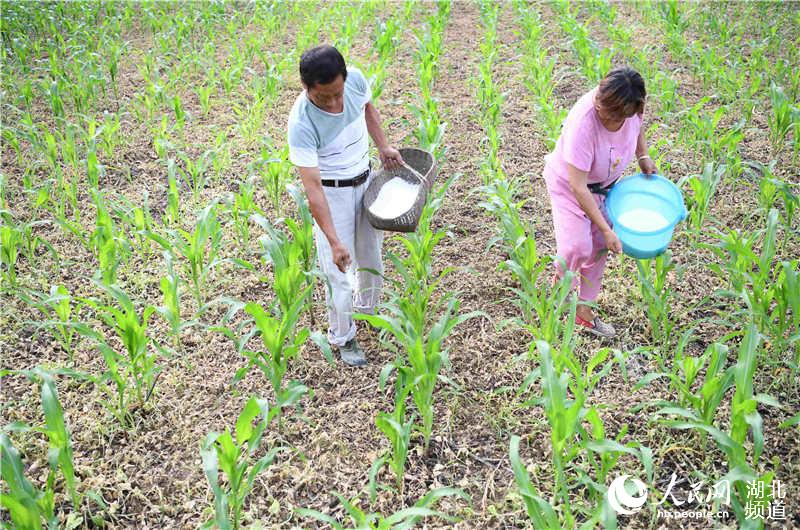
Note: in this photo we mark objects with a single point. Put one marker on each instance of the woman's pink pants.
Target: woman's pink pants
(580, 243)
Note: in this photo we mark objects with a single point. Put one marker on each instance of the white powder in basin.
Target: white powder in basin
(643, 220)
(395, 198)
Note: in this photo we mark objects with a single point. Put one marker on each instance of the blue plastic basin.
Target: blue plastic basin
(639, 192)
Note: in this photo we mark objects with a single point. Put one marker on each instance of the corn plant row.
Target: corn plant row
(595, 60)
(420, 318)
(543, 313)
(489, 95)
(502, 200)
(540, 74)
(384, 45)
(430, 40)
(290, 255)
(767, 289)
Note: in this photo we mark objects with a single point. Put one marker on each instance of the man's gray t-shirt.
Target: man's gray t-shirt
(336, 143)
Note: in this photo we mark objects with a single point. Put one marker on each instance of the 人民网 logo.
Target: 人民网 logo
(623, 502)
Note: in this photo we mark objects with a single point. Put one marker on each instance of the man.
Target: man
(328, 127)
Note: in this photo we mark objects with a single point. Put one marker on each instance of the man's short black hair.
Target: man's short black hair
(322, 64)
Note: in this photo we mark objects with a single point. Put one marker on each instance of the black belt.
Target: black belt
(600, 190)
(343, 183)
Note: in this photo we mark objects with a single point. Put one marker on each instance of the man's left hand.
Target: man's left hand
(390, 157)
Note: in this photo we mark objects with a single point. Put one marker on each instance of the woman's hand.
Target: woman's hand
(647, 166)
(613, 243)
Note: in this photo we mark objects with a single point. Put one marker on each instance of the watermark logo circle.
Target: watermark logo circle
(623, 502)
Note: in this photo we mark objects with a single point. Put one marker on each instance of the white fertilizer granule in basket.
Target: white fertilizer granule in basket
(395, 198)
(643, 220)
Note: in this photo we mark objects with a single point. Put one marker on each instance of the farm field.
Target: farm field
(163, 356)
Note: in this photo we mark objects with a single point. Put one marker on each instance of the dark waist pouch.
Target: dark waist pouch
(600, 190)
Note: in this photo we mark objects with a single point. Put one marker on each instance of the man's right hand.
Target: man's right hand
(341, 256)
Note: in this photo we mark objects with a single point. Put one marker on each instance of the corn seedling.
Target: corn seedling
(200, 248)
(57, 308)
(161, 142)
(173, 210)
(234, 454)
(204, 93)
(27, 506)
(195, 172)
(784, 118)
(171, 308)
(267, 88)
(430, 127)
(10, 242)
(282, 343)
(275, 171)
(110, 246)
(539, 510)
(703, 187)
(138, 220)
(301, 230)
(563, 415)
(395, 425)
(241, 206)
(786, 314)
(134, 373)
(698, 392)
(109, 133)
(251, 118)
(770, 188)
(221, 155)
(657, 295)
(385, 39)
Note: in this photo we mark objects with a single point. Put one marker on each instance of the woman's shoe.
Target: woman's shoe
(597, 327)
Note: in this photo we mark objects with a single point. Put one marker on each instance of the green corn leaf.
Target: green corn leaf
(539, 511)
(244, 424)
(319, 516)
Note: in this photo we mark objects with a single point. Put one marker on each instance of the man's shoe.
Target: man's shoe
(352, 354)
(597, 327)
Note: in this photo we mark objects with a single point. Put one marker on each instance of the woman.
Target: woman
(600, 137)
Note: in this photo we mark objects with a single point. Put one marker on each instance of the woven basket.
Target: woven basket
(423, 162)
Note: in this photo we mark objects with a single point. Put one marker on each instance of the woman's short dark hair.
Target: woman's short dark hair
(322, 64)
(622, 91)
